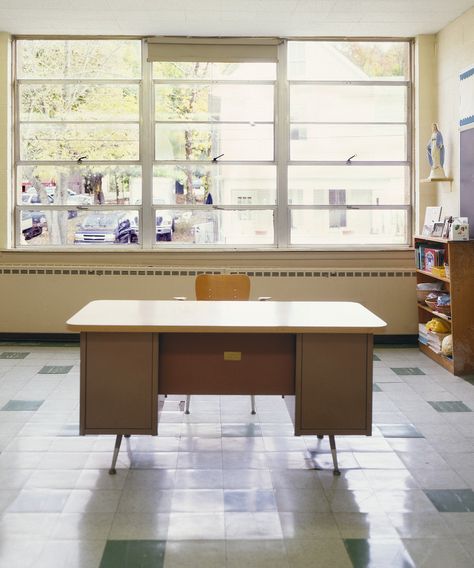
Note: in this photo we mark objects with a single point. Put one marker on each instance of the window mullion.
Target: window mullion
(282, 149)
(147, 151)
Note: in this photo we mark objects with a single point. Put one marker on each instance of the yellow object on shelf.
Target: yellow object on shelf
(438, 325)
(438, 271)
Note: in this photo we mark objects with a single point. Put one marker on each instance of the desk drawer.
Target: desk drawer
(227, 363)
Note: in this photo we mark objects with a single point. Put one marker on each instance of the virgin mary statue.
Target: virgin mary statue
(435, 151)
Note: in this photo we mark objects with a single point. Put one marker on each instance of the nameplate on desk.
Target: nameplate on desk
(232, 355)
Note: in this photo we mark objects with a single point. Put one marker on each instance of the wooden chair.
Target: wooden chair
(212, 287)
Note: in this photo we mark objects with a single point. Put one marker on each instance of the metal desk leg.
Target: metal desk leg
(332, 443)
(188, 402)
(118, 441)
(252, 399)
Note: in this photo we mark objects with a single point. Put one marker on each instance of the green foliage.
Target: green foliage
(377, 59)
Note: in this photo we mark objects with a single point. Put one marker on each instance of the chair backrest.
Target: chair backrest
(222, 287)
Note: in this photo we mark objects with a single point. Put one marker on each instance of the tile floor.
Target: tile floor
(222, 488)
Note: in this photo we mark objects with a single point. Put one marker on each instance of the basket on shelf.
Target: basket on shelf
(421, 295)
(433, 304)
(425, 288)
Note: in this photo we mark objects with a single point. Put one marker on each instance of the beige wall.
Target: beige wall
(5, 137)
(425, 107)
(32, 302)
(454, 52)
(36, 299)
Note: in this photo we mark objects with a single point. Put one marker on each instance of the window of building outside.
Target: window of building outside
(114, 148)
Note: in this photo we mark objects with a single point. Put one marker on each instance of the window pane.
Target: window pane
(364, 185)
(94, 228)
(252, 103)
(356, 227)
(80, 184)
(78, 102)
(70, 141)
(214, 71)
(340, 141)
(351, 60)
(79, 59)
(348, 103)
(204, 142)
(216, 227)
(217, 184)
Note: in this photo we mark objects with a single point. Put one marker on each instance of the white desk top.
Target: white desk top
(231, 317)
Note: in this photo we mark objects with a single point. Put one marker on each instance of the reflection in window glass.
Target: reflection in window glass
(337, 142)
(348, 103)
(78, 59)
(214, 184)
(81, 184)
(71, 141)
(52, 227)
(208, 226)
(214, 102)
(216, 171)
(238, 142)
(214, 71)
(360, 227)
(364, 185)
(83, 101)
(348, 60)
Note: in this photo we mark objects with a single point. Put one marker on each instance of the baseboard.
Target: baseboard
(39, 337)
(395, 340)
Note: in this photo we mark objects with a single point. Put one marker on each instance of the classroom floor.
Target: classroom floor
(222, 488)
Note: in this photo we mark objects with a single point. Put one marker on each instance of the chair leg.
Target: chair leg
(252, 400)
(332, 443)
(118, 441)
(320, 436)
(188, 402)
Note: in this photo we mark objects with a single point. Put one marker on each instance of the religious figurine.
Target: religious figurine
(435, 151)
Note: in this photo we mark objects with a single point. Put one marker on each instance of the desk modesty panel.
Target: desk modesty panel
(317, 354)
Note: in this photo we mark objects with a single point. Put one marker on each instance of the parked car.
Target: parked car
(164, 226)
(38, 216)
(107, 227)
(72, 198)
(29, 227)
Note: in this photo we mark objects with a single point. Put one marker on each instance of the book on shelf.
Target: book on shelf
(430, 338)
(428, 256)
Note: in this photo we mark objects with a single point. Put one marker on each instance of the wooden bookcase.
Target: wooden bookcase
(460, 284)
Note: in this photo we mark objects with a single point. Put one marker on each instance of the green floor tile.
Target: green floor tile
(55, 370)
(377, 553)
(375, 357)
(399, 431)
(13, 355)
(401, 371)
(22, 405)
(452, 500)
(449, 406)
(133, 554)
(376, 388)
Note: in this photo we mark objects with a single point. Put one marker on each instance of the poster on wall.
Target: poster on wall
(466, 115)
(466, 143)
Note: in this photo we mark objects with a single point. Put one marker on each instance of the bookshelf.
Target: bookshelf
(460, 285)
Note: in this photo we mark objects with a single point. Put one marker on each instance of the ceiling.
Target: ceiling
(283, 18)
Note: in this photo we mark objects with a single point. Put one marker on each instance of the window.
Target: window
(214, 142)
(78, 141)
(351, 101)
(190, 144)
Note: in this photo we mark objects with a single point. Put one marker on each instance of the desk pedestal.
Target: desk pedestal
(326, 377)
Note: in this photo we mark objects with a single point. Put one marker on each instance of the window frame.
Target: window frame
(282, 125)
